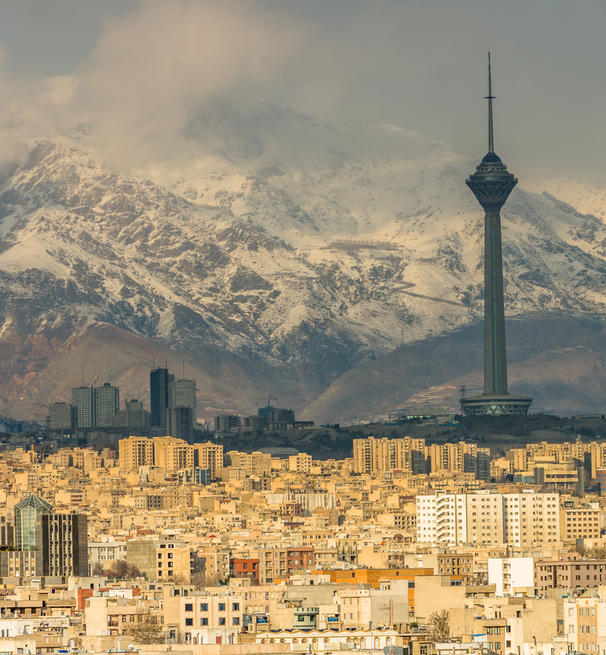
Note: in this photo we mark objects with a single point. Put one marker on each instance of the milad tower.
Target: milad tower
(491, 184)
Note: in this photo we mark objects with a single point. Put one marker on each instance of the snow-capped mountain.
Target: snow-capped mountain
(297, 250)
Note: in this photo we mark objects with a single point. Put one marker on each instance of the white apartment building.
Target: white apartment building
(524, 519)
(511, 575)
(442, 519)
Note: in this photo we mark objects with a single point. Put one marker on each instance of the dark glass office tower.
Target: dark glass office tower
(491, 183)
(159, 379)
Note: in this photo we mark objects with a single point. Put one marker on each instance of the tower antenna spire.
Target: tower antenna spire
(490, 98)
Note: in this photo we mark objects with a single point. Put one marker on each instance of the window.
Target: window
(189, 607)
(235, 606)
(204, 621)
(236, 620)
(204, 607)
(221, 607)
(221, 620)
(189, 621)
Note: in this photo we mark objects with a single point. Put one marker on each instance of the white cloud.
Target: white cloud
(152, 68)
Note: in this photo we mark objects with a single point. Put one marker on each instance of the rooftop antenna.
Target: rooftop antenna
(490, 98)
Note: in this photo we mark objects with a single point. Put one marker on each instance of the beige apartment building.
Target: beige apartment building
(585, 624)
(300, 463)
(209, 456)
(172, 454)
(413, 456)
(169, 454)
(568, 574)
(255, 463)
(161, 559)
(579, 521)
(134, 452)
(280, 563)
(118, 617)
(372, 455)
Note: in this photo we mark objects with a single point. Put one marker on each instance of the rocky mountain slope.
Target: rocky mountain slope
(275, 255)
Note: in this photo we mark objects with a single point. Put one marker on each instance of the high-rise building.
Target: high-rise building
(132, 416)
(59, 541)
(83, 401)
(226, 423)
(178, 422)
(276, 418)
(61, 416)
(159, 379)
(95, 406)
(7, 533)
(523, 520)
(107, 404)
(182, 393)
(63, 543)
(491, 183)
(27, 516)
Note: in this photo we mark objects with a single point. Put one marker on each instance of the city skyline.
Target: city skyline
(262, 334)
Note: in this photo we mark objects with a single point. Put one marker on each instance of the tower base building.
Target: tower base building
(496, 405)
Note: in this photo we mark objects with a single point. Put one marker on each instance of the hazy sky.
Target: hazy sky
(129, 65)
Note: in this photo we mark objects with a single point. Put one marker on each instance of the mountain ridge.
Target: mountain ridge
(300, 268)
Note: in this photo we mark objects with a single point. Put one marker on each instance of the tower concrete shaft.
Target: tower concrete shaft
(495, 358)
